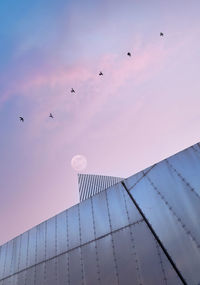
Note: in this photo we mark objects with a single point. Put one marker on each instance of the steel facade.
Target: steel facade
(90, 184)
(105, 240)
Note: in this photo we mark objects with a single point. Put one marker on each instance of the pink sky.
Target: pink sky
(142, 109)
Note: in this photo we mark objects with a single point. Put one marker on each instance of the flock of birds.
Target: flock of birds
(73, 91)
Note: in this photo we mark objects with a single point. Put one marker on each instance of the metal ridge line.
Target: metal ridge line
(155, 235)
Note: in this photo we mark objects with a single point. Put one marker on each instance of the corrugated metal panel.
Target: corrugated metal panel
(90, 184)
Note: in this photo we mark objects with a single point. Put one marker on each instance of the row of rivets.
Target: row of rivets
(81, 255)
(68, 273)
(161, 263)
(113, 247)
(133, 242)
(95, 236)
(183, 179)
(173, 213)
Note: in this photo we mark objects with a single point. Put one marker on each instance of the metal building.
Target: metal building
(107, 239)
(90, 184)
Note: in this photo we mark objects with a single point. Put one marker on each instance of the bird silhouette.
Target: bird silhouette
(21, 119)
(161, 34)
(128, 53)
(100, 73)
(51, 116)
(72, 90)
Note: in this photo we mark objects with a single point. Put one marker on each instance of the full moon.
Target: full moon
(79, 162)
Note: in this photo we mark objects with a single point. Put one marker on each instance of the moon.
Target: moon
(79, 162)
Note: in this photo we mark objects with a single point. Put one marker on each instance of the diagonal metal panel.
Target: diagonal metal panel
(168, 196)
(108, 235)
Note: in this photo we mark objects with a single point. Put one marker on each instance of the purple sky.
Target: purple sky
(142, 110)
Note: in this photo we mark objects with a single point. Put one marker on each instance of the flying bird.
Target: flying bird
(128, 53)
(161, 34)
(21, 119)
(51, 116)
(100, 73)
(72, 90)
